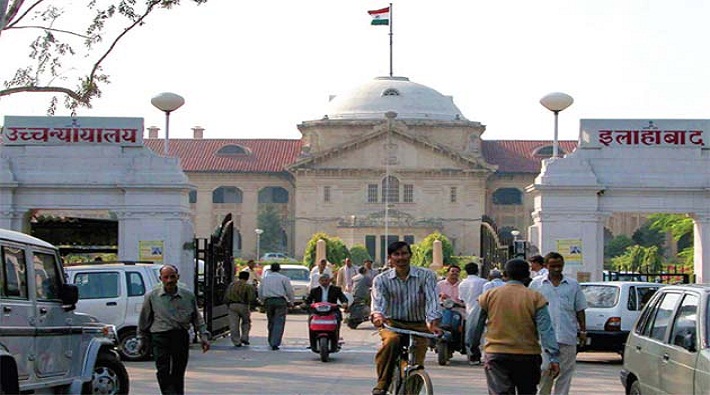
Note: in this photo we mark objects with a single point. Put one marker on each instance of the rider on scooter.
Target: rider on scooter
(328, 293)
(448, 288)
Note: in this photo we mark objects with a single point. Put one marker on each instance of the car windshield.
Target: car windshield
(601, 295)
(296, 274)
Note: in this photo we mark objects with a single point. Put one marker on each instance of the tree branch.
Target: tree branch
(42, 89)
(15, 7)
(50, 29)
(90, 82)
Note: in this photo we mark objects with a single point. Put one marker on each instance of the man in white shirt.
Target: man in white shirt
(537, 266)
(254, 277)
(345, 276)
(469, 291)
(496, 280)
(471, 287)
(276, 292)
(317, 271)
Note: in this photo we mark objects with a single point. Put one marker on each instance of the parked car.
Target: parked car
(300, 279)
(46, 346)
(612, 309)
(114, 293)
(277, 256)
(667, 351)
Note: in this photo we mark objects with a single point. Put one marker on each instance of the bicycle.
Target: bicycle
(408, 378)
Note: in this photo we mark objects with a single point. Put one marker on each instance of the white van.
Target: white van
(45, 346)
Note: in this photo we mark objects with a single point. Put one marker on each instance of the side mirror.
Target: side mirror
(69, 294)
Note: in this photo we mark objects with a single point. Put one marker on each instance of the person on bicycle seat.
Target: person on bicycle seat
(404, 297)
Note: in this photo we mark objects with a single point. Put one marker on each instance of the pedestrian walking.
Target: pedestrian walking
(345, 276)
(517, 321)
(566, 305)
(239, 298)
(254, 277)
(276, 292)
(164, 320)
(495, 278)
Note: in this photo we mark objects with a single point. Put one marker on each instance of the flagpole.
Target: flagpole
(391, 22)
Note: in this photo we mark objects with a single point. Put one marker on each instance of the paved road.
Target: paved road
(296, 370)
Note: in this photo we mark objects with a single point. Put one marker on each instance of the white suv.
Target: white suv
(113, 292)
(46, 347)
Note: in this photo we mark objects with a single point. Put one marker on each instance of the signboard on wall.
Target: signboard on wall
(72, 131)
(151, 250)
(571, 251)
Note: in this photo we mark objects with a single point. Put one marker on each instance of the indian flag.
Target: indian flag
(380, 17)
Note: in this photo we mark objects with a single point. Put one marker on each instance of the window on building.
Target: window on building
(453, 195)
(546, 151)
(408, 193)
(409, 239)
(232, 149)
(390, 190)
(227, 195)
(273, 195)
(390, 92)
(371, 245)
(193, 196)
(372, 190)
(508, 196)
(326, 194)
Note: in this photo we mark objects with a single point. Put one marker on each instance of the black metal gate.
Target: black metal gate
(493, 253)
(210, 286)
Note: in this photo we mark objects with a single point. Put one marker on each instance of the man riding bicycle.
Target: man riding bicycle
(404, 297)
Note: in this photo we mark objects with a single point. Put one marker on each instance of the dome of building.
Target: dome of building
(408, 99)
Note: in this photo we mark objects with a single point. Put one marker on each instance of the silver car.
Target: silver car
(667, 352)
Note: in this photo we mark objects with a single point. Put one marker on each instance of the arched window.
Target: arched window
(232, 149)
(273, 195)
(390, 189)
(227, 195)
(546, 151)
(390, 92)
(508, 196)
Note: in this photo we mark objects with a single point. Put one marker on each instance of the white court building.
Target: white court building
(628, 166)
(84, 164)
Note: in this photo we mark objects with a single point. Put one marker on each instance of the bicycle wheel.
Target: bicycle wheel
(418, 383)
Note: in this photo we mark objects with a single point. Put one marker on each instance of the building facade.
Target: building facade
(390, 160)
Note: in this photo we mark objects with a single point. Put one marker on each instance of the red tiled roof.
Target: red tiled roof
(200, 155)
(517, 156)
(273, 155)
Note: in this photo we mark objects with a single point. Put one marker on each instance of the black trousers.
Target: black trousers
(171, 350)
(512, 374)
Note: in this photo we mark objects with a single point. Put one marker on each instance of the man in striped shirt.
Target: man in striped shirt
(404, 297)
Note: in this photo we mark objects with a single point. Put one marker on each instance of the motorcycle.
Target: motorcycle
(451, 321)
(359, 312)
(324, 329)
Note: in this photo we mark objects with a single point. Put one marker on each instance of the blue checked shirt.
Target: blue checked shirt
(412, 299)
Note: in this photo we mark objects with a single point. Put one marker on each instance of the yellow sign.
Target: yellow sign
(151, 250)
(571, 250)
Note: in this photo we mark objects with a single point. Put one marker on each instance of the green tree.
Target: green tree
(680, 227)
(335, 249)
(647, 236)
(270, 220)
(358, 253)
(422, 255)
(617, 246)
(639, 259)
(66, 57)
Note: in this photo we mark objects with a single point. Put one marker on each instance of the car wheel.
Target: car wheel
(109, 377)
(635, 388)
(128, 347)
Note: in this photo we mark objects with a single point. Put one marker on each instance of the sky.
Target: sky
(257, 69)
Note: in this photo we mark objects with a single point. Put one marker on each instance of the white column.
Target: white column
(701, 244)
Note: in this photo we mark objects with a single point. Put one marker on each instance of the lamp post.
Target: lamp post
(556, 102)
(258, 240)
(167, 102)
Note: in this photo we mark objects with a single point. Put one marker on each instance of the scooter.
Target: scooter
(324, 329)
(451, 321)
(358, 313)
